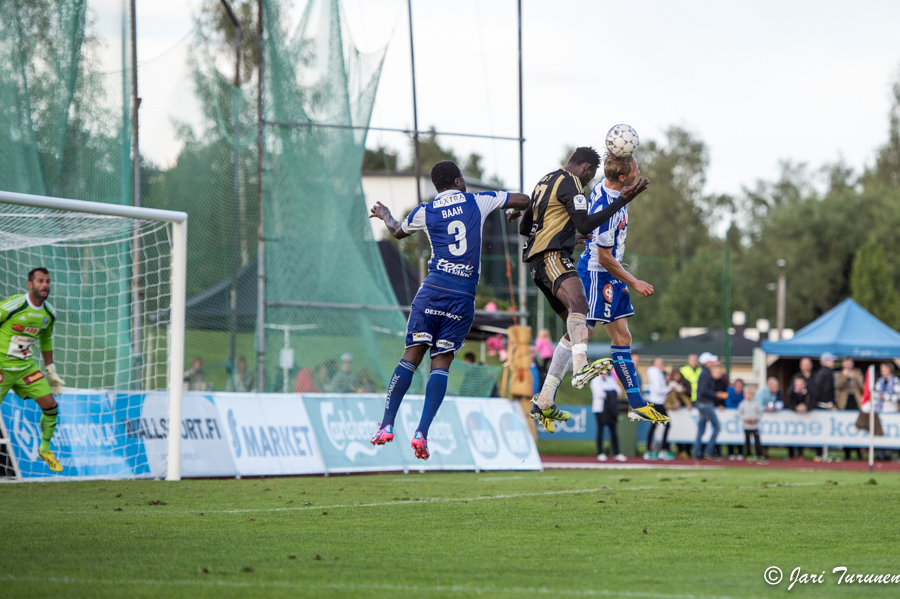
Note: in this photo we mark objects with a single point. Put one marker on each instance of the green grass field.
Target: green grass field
(667, 534)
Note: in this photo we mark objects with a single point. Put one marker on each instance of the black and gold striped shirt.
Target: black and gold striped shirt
(547, 221)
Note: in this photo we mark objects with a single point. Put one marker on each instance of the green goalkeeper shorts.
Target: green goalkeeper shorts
(27, 383)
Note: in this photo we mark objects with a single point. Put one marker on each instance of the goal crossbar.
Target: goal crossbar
(178, 282)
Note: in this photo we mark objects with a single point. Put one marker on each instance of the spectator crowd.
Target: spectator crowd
(703, 386)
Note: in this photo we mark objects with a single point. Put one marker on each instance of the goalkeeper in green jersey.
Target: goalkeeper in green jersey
(25, 319)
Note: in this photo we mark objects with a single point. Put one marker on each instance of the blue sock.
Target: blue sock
(621, 356)
(434, 395)
(400, 383)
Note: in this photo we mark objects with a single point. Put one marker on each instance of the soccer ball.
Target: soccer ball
(622, 141)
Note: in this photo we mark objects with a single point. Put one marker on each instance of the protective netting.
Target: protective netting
(66, 131)
(95, 344)
(322, 250)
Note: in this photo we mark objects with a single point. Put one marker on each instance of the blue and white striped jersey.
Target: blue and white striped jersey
(609, 235)
(453, 223)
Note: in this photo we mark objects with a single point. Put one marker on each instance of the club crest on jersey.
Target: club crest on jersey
(608, 293)
(46, 320)
(18, 328)
(456, 198)
(33, 377)
(580, 202)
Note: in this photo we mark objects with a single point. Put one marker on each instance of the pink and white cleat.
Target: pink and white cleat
(384, 435)
(420, 446)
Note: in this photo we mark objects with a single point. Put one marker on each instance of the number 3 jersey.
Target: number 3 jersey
(453, 223)
(21, 326)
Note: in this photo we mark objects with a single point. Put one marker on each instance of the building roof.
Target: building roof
(712, 341)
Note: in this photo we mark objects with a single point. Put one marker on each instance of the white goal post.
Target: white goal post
(177, 290)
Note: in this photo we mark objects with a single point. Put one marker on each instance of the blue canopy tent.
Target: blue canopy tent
(847, 330)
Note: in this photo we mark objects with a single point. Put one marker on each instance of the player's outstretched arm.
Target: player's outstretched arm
(515, 204)
(608, 261)
(585, 223)
(381, 211)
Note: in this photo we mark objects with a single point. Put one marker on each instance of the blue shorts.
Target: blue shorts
(608, 297)
(440, 319)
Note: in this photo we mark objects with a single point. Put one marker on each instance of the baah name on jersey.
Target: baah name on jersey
(452, 212)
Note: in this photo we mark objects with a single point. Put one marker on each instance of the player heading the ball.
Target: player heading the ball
(558, 211)
(444, 307)
(606, 281)
(24, 320)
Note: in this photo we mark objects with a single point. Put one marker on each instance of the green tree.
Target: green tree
(886, 171)
(379, 159)
(671, 218)
(473, 168)
(872, 283)
(430, 152)
(222, 35)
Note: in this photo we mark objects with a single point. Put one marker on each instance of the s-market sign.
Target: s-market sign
(269, 434)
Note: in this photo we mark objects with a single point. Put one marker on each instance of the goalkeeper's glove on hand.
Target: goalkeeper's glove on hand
(56, 383)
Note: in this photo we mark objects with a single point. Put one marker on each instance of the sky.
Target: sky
(759, 83)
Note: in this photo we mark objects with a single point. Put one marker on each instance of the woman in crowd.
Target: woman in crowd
(848, 383)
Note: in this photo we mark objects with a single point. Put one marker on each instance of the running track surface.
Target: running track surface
(590, 462)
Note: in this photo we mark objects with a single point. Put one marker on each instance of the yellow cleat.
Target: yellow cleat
(51, 460)
(548, 416)
(598, 367)
(649, 414)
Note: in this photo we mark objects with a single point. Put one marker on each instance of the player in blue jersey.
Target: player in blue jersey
(557, 215)
(444, 307)
(606, 281)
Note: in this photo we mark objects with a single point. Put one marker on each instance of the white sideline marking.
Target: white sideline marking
(366, 587)
(483, 498)
(418, 501)
(438, 500)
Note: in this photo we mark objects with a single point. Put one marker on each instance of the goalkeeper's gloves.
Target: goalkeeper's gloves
(56, 383)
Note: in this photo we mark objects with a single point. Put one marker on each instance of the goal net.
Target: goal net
(115, 295)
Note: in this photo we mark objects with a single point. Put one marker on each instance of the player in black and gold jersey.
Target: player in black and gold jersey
(557, 213)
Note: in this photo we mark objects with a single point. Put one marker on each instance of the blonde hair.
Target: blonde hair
(614, 167)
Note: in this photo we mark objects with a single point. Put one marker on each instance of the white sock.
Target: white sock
(578, 334)
(559, 365)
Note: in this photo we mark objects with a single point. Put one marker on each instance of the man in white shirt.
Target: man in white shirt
(659, 388)
(605, 391)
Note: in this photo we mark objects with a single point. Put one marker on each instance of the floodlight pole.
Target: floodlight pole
(726, 300)
(261, 232)
(235, 205)
(136, 295)
(871, 381)
(523, 298)
(418, 163)
(782, 298)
